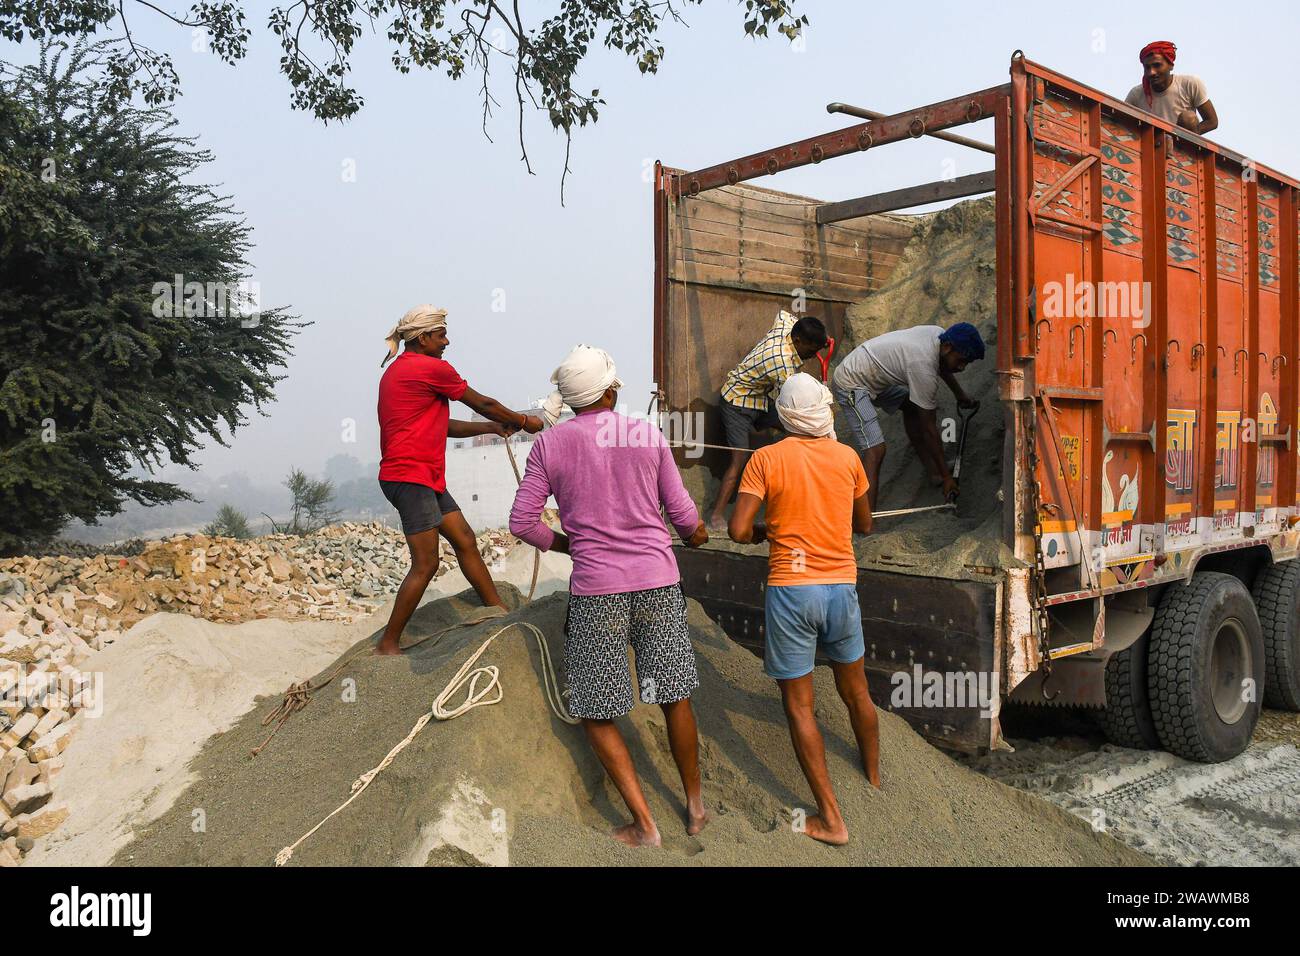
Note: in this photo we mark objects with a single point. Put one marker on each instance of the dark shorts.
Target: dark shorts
(596, 636)
(419, 506)
(737, 422)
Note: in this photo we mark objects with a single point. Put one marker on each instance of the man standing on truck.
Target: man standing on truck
(902, 370)
(610, 475)
(414, 411)
(750, 387)
(816, 494)
(1175, 99)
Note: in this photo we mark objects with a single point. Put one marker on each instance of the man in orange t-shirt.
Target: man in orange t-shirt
(816, 494)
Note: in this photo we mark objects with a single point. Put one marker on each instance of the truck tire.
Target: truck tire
(1127, 721)
(1277, 599)
(1205, 644)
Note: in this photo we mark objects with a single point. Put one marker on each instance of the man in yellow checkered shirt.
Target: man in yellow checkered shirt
(751, 388)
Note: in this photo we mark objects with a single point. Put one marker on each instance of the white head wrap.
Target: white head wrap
(580, 380)
(421, 319)
(805, 406)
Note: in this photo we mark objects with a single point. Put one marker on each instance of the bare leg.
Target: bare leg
(851, 682)
(611, 750)
(797, 697)
(872, 459)
(424, 564)
(683, 738)
(460, 535)
(730, 482)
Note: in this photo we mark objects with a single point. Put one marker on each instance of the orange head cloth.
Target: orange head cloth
(1166, 49)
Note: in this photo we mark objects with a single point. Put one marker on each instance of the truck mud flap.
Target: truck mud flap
(946, 627)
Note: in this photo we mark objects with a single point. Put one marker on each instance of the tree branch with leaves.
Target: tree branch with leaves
(457, 37)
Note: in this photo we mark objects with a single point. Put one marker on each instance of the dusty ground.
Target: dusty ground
(1245, 812)
(512, 783)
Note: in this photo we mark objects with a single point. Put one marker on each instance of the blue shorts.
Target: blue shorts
(860, 412)
(802, 617)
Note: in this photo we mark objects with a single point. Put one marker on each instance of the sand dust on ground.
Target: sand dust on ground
(1242, 812)
(512, 783)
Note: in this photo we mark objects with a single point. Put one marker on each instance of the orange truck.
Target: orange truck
(1149, 476)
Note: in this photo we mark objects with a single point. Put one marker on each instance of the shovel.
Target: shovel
(966, 416)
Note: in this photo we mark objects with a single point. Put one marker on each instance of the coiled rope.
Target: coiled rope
(467, 678)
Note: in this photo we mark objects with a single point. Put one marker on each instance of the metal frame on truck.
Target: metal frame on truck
(1147, 299)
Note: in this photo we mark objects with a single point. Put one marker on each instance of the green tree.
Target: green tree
(312, 501)
(104, 374)
(229, 523)
(316, 37)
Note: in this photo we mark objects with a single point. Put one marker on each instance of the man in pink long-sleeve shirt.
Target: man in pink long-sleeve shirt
(609, 475)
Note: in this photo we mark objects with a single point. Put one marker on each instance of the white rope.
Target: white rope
(474, 697)
(478, 697)
(700, 444)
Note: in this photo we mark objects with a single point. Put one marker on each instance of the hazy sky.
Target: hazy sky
(439, 214)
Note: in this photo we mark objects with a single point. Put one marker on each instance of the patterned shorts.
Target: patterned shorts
(596, 636)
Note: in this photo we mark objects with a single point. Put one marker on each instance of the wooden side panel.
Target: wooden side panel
(760, 240)
(733, 258)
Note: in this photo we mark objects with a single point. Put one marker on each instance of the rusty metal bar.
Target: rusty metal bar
(1022, 183)
(971, 185)
(1209, 434)
(853, 139)
(1250, 451)
(863, 113)
(660, 275)
(1290, 338)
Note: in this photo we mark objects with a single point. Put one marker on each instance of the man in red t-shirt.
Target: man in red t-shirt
(414, 425)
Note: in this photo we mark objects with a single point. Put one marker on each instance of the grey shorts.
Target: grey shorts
(737, 422)
(419, 506)
(596, 636)
(860, 412)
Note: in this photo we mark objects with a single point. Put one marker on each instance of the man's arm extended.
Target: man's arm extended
(526, 513)
(1209, 118)
(494, 411)
(932, 447)
(457, 429)
(741, 528)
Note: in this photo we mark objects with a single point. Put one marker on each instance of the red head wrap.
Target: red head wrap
(1166, 49)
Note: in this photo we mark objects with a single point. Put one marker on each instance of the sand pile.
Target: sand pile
(173, 682)
(511, 783)
(946, 276)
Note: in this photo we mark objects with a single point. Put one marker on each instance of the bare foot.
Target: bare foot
(873, 777)
(697, 818)
(383, 649)
(818, 829)
(634, 836)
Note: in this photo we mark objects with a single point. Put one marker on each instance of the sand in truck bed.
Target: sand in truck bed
(512, 784)
(946, 276)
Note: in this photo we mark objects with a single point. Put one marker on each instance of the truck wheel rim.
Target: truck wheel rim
(1229, 668)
